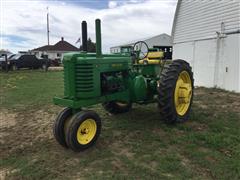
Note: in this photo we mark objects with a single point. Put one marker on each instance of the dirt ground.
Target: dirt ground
(20, 129)
(129, 145)
(223, 100)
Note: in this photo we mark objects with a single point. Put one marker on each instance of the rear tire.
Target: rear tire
(116, 107)
(83, 130)
(58, 127)
(176, 91)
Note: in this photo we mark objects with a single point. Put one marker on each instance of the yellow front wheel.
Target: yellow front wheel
(83, 130)
(175, 89)
(86, 131)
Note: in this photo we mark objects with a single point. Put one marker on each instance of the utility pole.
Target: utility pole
(48, 26)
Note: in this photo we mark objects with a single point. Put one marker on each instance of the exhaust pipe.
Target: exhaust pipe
(84, 36)
(98, 38)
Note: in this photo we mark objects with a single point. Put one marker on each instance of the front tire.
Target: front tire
(59, 126)
(176, 91)
(115, 107)
(83, 130)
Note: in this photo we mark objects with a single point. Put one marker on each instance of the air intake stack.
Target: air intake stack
(98, 38)
(84, 36)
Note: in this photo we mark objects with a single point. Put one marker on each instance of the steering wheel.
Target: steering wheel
(141, 49)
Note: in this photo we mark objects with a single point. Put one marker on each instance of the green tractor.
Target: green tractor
(116, 81)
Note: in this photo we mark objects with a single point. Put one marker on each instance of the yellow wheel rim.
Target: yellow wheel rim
(86, 131)
(183, 93)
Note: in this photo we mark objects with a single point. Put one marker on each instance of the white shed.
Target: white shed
(206, 33)
(161, 41)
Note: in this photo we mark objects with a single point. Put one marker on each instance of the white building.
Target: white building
(162, 41)
(55, 51)
(3, 52)
(207, 34)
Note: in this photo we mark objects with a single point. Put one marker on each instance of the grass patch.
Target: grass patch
(134, 145)
(21, 89)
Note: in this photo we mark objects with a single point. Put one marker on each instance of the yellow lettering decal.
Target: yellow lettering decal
(117, 65)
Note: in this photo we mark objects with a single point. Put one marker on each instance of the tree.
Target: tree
(91, 46)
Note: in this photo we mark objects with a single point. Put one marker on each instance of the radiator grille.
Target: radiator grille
(84, 78)
(66, 85)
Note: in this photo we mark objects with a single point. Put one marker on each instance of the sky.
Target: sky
(23, 23)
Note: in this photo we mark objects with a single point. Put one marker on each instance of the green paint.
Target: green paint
(92, 78)
(83, 84)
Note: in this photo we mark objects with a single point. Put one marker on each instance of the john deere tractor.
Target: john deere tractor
(117, 81)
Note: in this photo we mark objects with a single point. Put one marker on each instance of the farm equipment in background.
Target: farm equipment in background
(116, 81)
(126, 50)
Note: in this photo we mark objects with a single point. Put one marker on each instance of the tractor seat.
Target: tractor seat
(153, 58)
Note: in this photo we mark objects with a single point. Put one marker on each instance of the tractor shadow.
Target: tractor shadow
(139, 117)
(142, 124)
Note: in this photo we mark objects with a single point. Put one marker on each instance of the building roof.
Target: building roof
(175, 18)
(59, 46)
(198, 20)
(43, 48)
(158, 40)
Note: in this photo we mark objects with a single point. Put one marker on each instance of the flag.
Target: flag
(78, 41)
